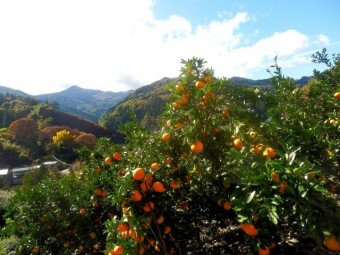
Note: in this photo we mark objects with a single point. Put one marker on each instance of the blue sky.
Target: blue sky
(115, 45)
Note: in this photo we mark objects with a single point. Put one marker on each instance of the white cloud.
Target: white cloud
(117, 45)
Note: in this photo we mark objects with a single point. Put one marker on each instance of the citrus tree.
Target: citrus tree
(217, 149)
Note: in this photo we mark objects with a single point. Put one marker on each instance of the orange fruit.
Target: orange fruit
(66, 244)
(155, 166)
(184, 100)
(132, 233)
(93, 235)
(197, 146)
(141, 251)
(139, 239)
(98, 192)
(238, 144)
(122, 227)
(158, 187)
(269, 152)
(199, 84)
(249, 229)
(207, 79)
(174, 184)
(138, 174)
(167, 230)
(108, 160)
(275, 177)
(125, 234)
(160, 219)
(225, 112)
(168, 160)
(265, 251)
(136, 196)
(148, 179)
(176, 105)
(179, 125)
(332, 243)
(283, 187)
(117, 156)
(227, 205)
(148, 207)
(180, 86)
(82, 211)
(166, 137)
(36, 249)
(337, 95)
(144, 187)
(117, 250)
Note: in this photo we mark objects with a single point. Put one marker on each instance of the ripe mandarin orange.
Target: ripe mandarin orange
(249, 229)
(197, 146)
(269, 152)
(158, 187)
(138, 174)
(332, 243)
(166, 137)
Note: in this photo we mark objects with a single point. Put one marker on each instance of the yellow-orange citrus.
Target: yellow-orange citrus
(138, 174)
(238, 144)
(148, 206)
(117, 156)
(117, 250)
(155, 166)
(167, 230)
(283, 187)
(176, 105)
(158, 187)
(225, 112)
(82, 211)
(180, 86)
(265, 251)
(92, 235)
(269, 152)
(36, 249)
(227, 205)
(144, 187)
(166, 137)
(136, 196)
(249, 229)
(108, 160)
(197, 146)
(98, 192)
(174, 184)
(184, 100)
(179, 125)
(275, 177)
(139, 239)
(207, 79)
(122, 227)
(148, 179)
(199, 84)
(160, 219)
(337, 95)
(332, 243)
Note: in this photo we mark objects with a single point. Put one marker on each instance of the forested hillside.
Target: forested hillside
(27, 127)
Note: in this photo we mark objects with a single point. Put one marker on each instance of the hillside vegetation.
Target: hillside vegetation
(86, 103)
(27, 127)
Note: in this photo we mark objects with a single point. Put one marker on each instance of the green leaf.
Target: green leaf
(250, 197)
